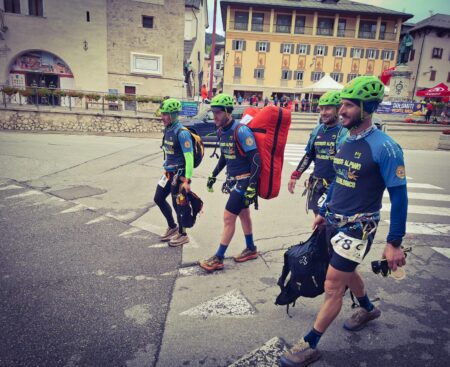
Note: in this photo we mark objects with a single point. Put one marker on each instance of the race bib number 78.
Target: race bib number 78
(349, 247)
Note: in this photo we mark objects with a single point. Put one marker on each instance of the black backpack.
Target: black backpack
(189, 210)
(307, 262)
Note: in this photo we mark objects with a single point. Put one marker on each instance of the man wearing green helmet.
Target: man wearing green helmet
(241, 182)
(321, 149)
(367, 163)
(178, 166)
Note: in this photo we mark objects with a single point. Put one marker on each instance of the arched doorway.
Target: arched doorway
(40, 69)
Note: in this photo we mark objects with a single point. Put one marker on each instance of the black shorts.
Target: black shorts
(353, 230)
(236, 201)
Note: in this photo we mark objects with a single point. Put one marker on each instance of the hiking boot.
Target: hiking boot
(212, 264)
(170, 232)
(179, 240)
(300, 355)
(246, 255)
(360, 318)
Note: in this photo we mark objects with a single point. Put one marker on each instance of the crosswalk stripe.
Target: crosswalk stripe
(436, 229)
(422, 209)
(443, 251)
(423, 186)
(25, 194)
(424, 196)
(11, 187)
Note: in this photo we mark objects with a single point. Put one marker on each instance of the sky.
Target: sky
(419, 8)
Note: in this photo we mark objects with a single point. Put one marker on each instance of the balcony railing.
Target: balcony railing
(238, 26)
(282, 28)
(388, 36)
(258, 27)
(303, 30)
(324, 31)
(367, 35)
(348, 33)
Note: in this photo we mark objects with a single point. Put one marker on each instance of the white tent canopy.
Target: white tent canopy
(326, 84)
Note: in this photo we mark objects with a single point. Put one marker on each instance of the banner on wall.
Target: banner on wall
(40, 62)
(404, 107)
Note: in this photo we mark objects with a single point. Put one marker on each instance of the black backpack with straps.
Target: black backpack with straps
(307, 262)
(197, 146)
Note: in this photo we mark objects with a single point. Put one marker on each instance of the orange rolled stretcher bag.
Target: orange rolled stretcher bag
(270, 127)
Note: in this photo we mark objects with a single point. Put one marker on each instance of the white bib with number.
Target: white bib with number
(163, 181)
(349, 247)
(322, 200)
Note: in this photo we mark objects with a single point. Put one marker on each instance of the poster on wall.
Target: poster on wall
(399, 107)
(17, 81)
(41, 62)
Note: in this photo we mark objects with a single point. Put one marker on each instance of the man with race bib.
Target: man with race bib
(321, 148)
(366, 164)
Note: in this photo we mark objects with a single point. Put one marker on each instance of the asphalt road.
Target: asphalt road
(85, 282)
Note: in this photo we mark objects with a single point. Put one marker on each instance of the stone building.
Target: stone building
(115, 46)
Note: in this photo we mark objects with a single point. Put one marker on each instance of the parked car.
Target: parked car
(203, 123)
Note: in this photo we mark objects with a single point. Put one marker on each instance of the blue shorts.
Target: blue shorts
(236, 201)
(353, 230)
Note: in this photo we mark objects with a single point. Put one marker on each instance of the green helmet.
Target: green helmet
(364, 88)
(170, 105)
(222, 100)
(330, 99)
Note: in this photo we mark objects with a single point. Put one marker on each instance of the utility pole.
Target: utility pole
(212, 53)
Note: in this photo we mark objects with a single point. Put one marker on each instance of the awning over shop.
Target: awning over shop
(327, 83)
(440, 90)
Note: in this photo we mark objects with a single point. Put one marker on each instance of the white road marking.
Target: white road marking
(231, 304)
(267, 355)
(76, 208)
(424, 196)
(102, 218)
(25, 194)
(130, 231)
(422, 209)
(443, 251)
(417, 185)
(435, 229)
(11, 187)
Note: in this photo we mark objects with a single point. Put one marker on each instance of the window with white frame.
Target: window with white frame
(316, 76)
(351, 76)
(357, 53)
(259, 73)
(263, 46)
(238, 45)
(321, 50)
(302, 49)
(337, 77)
(146, 64)
(299, 75)
(339, 51)
(286, 74)
(387, 55)
(437, 53)
(371, 53)
(287, 48)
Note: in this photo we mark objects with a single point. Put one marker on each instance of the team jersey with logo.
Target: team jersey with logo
(236, 163)
(176, 143)
(322, 147)
(364, 168)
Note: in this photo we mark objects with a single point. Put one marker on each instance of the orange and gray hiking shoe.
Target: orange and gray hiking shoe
(360, 318)
(212, 264)
(300, 355)
(178, 240)
(246, 255)
(170, 232)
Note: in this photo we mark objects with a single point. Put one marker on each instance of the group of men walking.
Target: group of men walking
(354, 163)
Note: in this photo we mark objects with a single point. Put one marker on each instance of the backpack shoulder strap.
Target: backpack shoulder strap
(236, 139)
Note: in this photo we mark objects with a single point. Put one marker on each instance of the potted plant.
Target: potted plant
(43, 92)
(143, 99)
(111, 97)
(27, 92)
(126, 97)
(91, 97)
(59, 93)
(9, 91)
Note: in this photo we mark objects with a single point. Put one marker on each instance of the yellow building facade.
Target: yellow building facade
(280, 46)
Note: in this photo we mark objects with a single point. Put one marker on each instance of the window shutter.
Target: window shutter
(290, 75)
(244, 45)
(262, 74)
(345, 51)
(334, 51)
(292, 48)
(392, 55)
(362, 53)
(233, 45)
(367, 53)
(377, 54)
(281, 48)
(326, 51)
(308, 51)
(268, 46)
(257, 46)
(312, 74)
(352, 52)
(297, 51)
(254, 73)
(315, 50)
